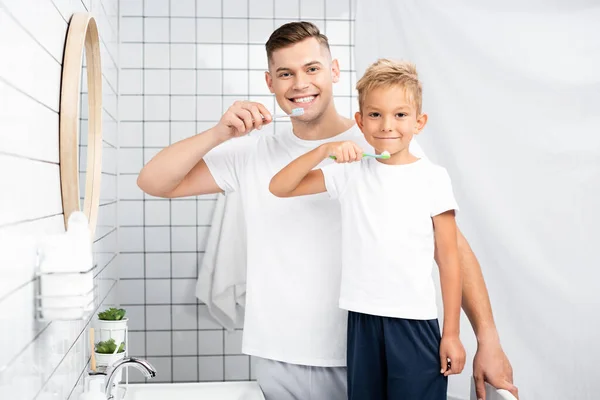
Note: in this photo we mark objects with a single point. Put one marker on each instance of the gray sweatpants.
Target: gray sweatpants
(283, 381)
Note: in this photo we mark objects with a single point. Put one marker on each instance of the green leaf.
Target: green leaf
(109, 346)
(112, 314)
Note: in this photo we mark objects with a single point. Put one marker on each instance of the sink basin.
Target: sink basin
(195, 391)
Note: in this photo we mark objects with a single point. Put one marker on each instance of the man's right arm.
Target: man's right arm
(179, 170)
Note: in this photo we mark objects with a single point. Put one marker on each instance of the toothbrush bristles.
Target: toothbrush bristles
(296, 112)
(385, 155)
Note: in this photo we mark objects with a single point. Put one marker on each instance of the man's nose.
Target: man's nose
(300, 82)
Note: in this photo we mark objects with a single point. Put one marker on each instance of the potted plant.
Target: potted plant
(112, 324)
(106, 354)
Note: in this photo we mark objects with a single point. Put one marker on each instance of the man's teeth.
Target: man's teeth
(304, 99)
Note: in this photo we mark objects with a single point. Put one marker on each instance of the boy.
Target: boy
(392, 210)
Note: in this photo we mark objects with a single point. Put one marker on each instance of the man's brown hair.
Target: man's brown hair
(292, 33)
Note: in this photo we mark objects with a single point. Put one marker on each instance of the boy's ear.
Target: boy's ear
(421, 122)
(358, 118)
(269, 80)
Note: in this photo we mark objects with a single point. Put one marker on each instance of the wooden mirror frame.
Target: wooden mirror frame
(83, 31)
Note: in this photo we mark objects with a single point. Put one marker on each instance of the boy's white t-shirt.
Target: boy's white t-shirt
(294, 246)
(387, 234)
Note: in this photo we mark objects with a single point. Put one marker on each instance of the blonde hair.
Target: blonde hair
(387, 73)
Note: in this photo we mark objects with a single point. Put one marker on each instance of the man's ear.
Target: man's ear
(269, 81)
(335, 71)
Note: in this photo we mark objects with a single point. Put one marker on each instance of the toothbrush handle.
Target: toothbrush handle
(364, 155)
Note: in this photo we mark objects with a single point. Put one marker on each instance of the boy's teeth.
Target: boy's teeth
(304, 99)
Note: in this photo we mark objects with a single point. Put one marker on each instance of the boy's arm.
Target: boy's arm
(299, 178)
(446, 250)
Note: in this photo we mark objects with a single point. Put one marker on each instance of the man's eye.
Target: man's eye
(284, 75)
(313, 69)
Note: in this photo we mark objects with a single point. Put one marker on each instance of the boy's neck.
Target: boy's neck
(328, 125)
(400, 158)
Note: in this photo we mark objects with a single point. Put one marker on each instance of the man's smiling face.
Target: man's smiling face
(302, 76)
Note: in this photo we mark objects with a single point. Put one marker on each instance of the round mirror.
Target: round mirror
(83, 132)
(81, 120)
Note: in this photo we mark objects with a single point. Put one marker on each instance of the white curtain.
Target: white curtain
(512, 89)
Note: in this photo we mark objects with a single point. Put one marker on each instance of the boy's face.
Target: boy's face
(388, 120)
(302, 76)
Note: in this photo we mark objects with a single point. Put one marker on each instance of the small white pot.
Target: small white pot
(106, 330)
(106, 360)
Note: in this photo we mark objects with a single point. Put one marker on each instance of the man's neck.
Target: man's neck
(327, 125)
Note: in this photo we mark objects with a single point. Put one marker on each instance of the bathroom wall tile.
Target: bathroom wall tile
(156, 134)
(131, 212)
(233, 342)
(183, 8)
(158, 291)
(156, 55)
(131, 265)
(185, 343)
(185, 317)
(157, 213)
(156, 29)
(237, 368)
(156, 8)
(208, 8)
(158, 265)
(158, 317)
(185, 369)
(158, 343)
(210, 342)
(210, 368)
(183, 55)
(235, 8)
(183, 30)
(209, 30)
(183, 212)
(156, 82)
(184, 291)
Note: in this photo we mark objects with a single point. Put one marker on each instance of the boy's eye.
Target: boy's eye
(400, 115)
(374, 114)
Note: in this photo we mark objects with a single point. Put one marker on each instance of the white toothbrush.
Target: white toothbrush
(384, 155)
(296, 112)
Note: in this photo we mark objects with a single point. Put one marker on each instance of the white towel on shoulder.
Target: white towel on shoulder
(222, 276)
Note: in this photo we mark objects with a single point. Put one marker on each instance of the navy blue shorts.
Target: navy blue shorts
(394, 359)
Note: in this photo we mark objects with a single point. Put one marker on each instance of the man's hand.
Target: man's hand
(241, 118)
(492, 366)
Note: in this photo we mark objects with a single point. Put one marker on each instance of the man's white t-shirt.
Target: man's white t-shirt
(294, 246)
(387, 234)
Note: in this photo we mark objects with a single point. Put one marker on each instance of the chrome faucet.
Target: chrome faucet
(147, 369)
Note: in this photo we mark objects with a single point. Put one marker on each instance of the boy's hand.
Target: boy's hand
(451, 348)
(241, 118)
(344, 152)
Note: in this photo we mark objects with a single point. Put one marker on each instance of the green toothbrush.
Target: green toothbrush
(384, 155)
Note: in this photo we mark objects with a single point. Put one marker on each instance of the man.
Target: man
(293, 324)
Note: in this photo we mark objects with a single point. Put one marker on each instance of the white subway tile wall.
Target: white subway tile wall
(183, 63)
(43, 360)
